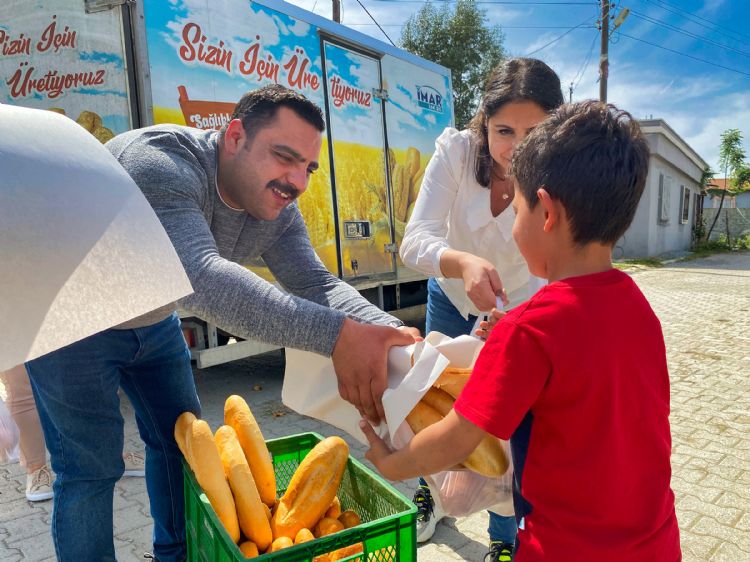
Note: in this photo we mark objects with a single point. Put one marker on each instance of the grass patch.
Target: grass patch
(704, 249)
(644, 262)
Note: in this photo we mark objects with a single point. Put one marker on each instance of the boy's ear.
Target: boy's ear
(551, 208)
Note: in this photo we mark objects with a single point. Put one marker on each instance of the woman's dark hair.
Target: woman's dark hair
(519, 79)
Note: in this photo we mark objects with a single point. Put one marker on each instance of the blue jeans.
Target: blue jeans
(75, 389)
(443, 317)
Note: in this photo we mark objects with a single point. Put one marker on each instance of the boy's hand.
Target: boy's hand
(378, 451)
(485, 327)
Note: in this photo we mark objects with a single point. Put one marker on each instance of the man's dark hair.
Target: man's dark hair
(593, 158)
(257, 109)
(519, 79)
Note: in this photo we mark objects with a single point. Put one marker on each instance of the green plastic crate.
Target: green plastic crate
(388, 529)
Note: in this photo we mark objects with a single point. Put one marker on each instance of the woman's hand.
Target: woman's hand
(481, 282)
(485, 326)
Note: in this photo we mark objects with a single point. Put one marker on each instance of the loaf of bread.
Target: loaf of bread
(312, 488)
(488, 459)
(452, 380)
(252, 517)
(238, 415)
(181, 426)
(203, 457)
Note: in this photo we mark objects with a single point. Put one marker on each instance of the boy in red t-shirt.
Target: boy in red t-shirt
(576, 377)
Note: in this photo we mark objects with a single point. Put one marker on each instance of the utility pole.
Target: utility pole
(337, 11)
(571, 92)
(604, 57)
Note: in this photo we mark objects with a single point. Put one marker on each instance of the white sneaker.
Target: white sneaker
(39, 485)
(428, 513)
(135, 464)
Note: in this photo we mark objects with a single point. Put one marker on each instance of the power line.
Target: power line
(498, 2)
(503, 27)
(557, 38)
(685, 32)
(692, 17)
(684, 54)
(376, 22)
(584, 66)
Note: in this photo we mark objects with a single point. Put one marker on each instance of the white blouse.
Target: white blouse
(453, 211)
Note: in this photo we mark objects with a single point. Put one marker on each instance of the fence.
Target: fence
(739, 222)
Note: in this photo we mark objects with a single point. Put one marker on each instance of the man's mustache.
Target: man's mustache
(285, 188)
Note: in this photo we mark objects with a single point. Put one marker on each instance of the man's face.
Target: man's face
(264, 175)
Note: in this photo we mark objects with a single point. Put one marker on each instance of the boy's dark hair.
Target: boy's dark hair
(257, 109)
(593, 158)
(519, 79)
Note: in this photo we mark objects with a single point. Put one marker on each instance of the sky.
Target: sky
(684, 61)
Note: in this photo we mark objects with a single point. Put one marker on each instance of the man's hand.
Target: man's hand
(360, 359)
(412, 331)
(481, 282)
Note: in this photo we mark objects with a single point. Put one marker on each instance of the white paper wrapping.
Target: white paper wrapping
(81, 250)
(310, 388)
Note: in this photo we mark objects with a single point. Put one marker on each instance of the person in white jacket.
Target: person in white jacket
(460, 233)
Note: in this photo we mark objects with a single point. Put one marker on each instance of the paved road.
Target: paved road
(704, 306)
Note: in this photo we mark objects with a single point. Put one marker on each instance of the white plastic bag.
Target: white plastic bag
(459, 492)
(310, 388)
(8, 436)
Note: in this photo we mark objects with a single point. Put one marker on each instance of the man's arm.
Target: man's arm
(172, 174)
(360, 354)
(438, 447)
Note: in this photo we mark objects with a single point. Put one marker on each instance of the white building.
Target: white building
(671, 201)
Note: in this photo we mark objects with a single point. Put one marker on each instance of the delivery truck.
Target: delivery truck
(114, 65)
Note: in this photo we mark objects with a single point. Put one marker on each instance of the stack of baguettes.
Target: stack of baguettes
(488, 459)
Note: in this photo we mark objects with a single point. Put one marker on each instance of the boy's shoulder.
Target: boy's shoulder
(573, 297)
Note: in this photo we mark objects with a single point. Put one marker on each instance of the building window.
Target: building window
(664, 198)
(684, 204)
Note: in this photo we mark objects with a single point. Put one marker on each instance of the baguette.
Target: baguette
(488, 459)
(203, 457)
(422, 416)
(183, 423)
(439, 400)
(452, 380)
(312, 488)
(238, 415)
(252, 517)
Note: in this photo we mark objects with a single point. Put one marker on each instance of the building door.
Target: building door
(360, 177)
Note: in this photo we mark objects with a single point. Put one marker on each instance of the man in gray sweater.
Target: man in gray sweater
(224, 198)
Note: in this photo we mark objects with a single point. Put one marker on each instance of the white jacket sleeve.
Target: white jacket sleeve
(425, 235)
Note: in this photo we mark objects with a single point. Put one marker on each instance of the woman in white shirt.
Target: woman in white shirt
(460, 231)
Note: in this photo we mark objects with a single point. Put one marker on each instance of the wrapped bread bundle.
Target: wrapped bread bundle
(488, 459)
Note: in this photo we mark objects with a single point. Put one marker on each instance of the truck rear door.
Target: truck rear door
(358, 164)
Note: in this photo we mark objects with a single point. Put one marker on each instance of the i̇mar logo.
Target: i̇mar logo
(429, 98)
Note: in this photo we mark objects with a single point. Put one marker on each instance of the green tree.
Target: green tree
(459, 38)
(736, 172)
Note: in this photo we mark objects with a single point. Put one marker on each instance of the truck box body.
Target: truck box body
(113, 68)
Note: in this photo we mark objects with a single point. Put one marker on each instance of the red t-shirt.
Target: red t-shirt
(577, 378)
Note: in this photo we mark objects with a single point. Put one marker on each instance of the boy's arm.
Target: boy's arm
(438, 447)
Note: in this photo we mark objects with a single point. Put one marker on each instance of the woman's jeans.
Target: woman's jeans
(76, 393)
(443, 317)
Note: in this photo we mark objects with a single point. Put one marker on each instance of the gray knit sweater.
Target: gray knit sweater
(175, 167)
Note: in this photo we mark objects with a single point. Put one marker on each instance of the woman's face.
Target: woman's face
(508, 126)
